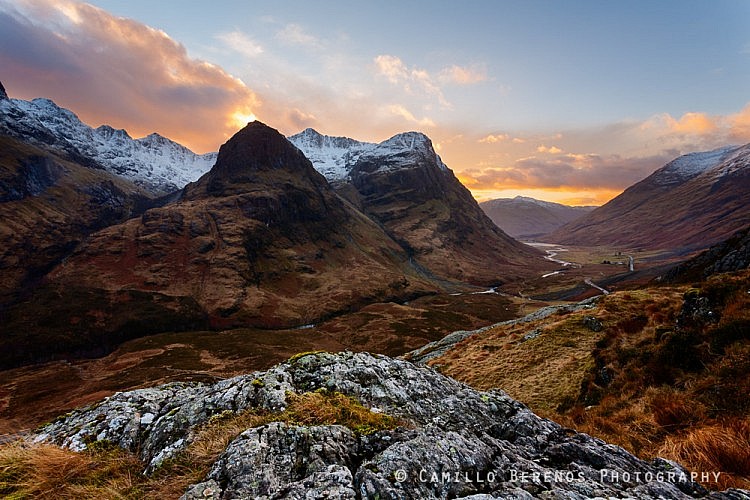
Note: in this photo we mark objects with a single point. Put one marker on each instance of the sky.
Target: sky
(562, 101)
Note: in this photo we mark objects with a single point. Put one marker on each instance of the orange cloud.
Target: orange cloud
(461, 75)
(566, 196)
(493, 138)
(739, 125)
(552, 150)
(693, 123)
(120, 72)
(561, 172)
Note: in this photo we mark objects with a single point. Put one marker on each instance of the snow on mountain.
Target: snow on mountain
(546, 204)
(737, 159)
(331, 156)
(153, 162)
(691, 165)
(335, 157)
(690, 203)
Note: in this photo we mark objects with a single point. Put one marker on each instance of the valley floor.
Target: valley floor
(610, 377)
(32, 395)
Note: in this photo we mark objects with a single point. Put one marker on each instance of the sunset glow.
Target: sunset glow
(241, 118)
(568, 103)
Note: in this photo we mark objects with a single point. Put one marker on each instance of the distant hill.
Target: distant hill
(526, 218)
(692, 202)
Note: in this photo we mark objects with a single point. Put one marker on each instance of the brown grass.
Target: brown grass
(47, 471)
(648, 385)
(721, 448)
(672, 410)
(38, 470)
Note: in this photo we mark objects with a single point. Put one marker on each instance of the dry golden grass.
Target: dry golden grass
(721, 448)
(546, 372)
(38, 470)
(642, 383)
(672, 411)
(49, 472)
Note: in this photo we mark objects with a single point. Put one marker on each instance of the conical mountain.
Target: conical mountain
(260, 240)
(257, 155)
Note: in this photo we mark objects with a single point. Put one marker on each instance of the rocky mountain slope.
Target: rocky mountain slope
(732, 254)
(48, 205)
(452, 441)
(261, 240)
(689, 204)
(403, 185)
(528, 218)
(154, 163)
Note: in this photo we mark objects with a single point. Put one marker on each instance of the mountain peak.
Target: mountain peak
(258, 145)
(310, 132)
(336, 157)
(408, 145)
(107, 132)
(257, 155)
(409, 140)
(3, 93)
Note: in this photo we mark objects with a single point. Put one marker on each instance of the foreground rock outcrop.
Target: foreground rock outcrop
(455, 441)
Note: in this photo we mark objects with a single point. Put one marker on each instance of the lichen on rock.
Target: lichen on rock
(455, 442)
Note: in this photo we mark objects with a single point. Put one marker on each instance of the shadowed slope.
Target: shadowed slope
(261, 240)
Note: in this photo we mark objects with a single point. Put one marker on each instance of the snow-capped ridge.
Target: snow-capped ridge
(335, 157)
(737, 159)
(691, 165)
(154, 162)
(541, 203)
(107, 132)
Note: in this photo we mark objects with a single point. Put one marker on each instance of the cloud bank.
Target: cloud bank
(555, 164)
(120, 72)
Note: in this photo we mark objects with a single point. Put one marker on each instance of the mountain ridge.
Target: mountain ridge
(261, 240)
(689, 204)
(153, 162)
(48, 205)
(403, 185)
(334, 157)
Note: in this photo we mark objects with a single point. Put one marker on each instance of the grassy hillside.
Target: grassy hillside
(660, 371)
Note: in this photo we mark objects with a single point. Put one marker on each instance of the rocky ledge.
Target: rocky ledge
(453, 441)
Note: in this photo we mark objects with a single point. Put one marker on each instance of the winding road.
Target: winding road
(553, 252)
